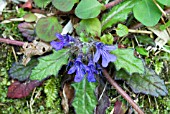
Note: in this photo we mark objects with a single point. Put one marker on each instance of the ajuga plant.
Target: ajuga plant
(92, 42)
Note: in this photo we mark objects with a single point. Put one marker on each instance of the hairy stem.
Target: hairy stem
(113, 3)
(13, 42)
(122, 92)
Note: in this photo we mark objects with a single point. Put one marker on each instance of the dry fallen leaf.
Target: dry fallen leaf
(35, 48)
(67, 97)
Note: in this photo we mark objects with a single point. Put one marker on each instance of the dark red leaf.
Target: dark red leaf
(119, 108)
(27, 5)
(21, 90)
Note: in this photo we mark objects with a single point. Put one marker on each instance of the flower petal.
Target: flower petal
(109, 48)
(91, 77)
(105, 62)
(79, 75)
(96, 56)
(72, 70)
(59, 36)
(56, 45)
(111, 58)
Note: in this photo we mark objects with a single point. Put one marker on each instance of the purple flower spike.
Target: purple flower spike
(65, 40)
(91, 70)
(57, 45)
(79, 68)
(103, 50)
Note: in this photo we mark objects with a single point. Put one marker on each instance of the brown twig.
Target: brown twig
(122, 92)
(113, 3)
(13, 42)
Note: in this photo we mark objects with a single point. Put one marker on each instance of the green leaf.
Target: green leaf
(50, 89)
(143, 39)
(148, 83)
(42, 3)
(85, 99)
(158, 67)
(89, 26)
(127, 60)
(142, 51)
(118, 13)
(50, 65)
(30, 17)
(164, 2)
(20, 72)
(64, 5)
(88, 9)
(147, 13)
(107, 39)
(122, 30)
(47, 27)
(163, 27)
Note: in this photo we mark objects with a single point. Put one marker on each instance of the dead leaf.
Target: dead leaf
(35, 48)
(67, 97)
(3, 4)
(163, 36)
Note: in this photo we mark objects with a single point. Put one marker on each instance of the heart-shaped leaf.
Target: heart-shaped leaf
(148, 83)
(50, 65)
(122, 30)
(42, 3)
(89, 26)
(47, 27)
(88, 9)
(20, 72)
(127, 60)
(147, 12)
(64, 5)
(30, 17)
(27, 30)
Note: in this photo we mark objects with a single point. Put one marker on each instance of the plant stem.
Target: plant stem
(13, 42)
(159, 7)
(122, 92)
(113, 3)
(140, 31)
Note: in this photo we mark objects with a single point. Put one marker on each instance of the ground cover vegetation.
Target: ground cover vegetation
(84, 56)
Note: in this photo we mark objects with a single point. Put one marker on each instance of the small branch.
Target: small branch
(122, 92)
(159, 7)
(113, 3)
(140, 31)
(13, 42)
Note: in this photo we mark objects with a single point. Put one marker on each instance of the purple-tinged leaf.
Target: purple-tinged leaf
(21, 90)
(27, 30)
(20, 72)
(148, 83)
(47, 27)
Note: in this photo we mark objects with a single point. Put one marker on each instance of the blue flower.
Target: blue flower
(79, 68)
(65, 40)
(91, 70)
(103, 50)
